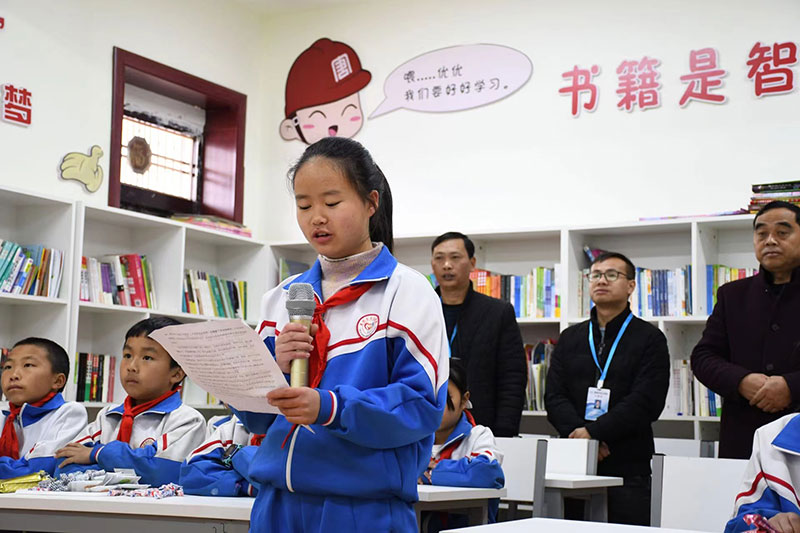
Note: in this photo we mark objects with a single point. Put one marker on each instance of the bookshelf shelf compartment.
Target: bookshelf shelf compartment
(20, 299)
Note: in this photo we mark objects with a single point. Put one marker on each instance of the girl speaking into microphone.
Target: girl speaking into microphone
(377, 358)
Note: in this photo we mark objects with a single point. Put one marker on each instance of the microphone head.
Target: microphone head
(301, 299)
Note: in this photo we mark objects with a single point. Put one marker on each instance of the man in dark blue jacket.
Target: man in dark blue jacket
(750, 350)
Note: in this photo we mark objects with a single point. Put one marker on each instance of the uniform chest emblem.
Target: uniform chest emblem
(367, 326)
(147, 442)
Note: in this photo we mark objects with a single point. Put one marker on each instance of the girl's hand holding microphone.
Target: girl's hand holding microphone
(300, 405)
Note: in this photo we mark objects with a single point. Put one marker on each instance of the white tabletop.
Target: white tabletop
(578, 481)
(436, 493)
(209, 507)
(550, 525)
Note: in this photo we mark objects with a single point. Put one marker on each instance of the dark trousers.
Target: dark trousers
(628, 504)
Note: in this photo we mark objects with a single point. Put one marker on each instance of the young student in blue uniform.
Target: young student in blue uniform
(464, 455)
(768, 496)
(220, 466)
(38, 421)
(378, 363)
(152, 431)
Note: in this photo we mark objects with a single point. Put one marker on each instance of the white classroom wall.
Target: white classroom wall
(62, 51)
(522, 162)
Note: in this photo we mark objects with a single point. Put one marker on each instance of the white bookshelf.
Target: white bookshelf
(662, 244)
(31, 219)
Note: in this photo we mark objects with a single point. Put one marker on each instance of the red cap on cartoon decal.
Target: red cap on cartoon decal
(325, 72)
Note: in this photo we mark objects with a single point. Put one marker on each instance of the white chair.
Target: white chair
(694, 492)
(572, 456)
(524, 463)
(684, 447)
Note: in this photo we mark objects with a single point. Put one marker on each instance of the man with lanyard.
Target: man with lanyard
(484, 336)
(608, 381)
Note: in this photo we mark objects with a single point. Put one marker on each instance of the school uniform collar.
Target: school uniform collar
(167, 405)
(462, 429)
(788, 440)
(380, 269)
(30, 414)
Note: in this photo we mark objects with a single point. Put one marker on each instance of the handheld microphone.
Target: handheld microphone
(300, 306)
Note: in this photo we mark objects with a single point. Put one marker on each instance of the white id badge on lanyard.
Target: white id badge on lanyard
(597, 398)
(596, 403)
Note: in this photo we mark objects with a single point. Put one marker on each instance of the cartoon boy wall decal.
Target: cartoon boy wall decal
(322, 93)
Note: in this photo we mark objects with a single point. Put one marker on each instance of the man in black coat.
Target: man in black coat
(628, 370)
(750, 350)
(484, 335)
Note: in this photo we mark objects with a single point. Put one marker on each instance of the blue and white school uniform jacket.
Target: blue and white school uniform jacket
(162, 437)
(772, 477)
(41, 431)
(381, 396)
(204, 473)
(474, 459)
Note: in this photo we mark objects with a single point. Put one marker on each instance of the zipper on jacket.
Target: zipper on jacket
(289, 460)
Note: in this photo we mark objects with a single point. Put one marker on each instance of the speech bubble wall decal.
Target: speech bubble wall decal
(455, 78)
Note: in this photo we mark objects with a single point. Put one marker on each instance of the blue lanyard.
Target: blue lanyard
(610, 353)
(453, 336)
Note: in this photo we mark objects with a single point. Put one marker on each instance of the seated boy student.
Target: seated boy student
(38, 421)
(464, 454)
(152, 431)
(219, 467)
(771, 480)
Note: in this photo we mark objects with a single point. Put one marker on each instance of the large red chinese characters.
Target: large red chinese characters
(16, 105)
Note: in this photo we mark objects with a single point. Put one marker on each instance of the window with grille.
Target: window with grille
(159, 159)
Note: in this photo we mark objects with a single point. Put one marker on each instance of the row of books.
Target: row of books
(538, 357)
(215, 223)
(94, 377)
(687, 396)
(764, 193)
(718, 275)
(125, 279)
(660, 292)
(209, 295)
(30, 270)
(533, 295)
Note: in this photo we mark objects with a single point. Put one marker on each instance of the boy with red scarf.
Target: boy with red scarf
(38, 421)
(152, 431)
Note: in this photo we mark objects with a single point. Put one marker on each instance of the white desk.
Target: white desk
(438, 498)
(74, 512)
(550, 525)
(591, 488)
(81, 512)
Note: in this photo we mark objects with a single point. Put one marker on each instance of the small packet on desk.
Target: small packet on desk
(22, 482)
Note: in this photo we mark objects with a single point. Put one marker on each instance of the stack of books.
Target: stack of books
(680, 396)
(764, 193)
(209, 295)
(718, 275)
(534, 295)
(214, 222)
(538, 356)
(125, 279)
(30, 270)
(660, 292)
(94, 377)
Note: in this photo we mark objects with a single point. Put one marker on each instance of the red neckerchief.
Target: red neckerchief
(126, 426)
(256, 438)
(318, 359)
(9, 443)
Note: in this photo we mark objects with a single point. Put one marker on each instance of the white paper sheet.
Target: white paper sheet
(227, 359)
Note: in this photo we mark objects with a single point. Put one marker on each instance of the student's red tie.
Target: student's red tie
(318, 359)
(126, 426)
(319, 352)
(9, 443)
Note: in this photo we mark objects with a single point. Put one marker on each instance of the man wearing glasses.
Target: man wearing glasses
(608, 381)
